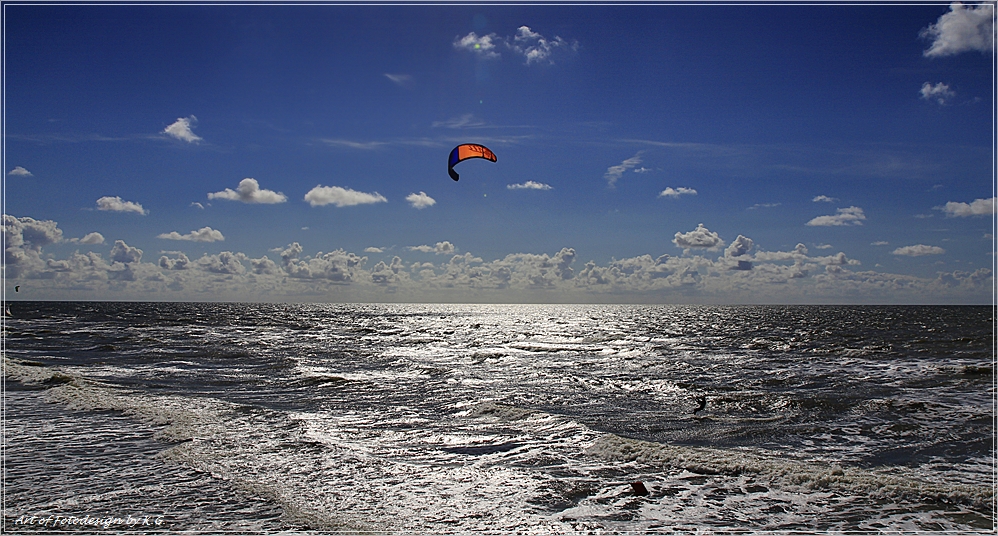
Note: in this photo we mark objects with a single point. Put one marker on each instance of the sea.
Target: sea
(527, 419)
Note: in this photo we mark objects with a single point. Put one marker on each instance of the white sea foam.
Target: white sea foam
(786, 472)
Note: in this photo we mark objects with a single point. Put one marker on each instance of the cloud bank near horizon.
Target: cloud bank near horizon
(741, 273)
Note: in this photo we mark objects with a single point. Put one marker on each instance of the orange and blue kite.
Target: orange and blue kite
(465, 151)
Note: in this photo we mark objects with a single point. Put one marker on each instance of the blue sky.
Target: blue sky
(657, 153)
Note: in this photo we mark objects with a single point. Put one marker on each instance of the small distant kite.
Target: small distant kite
(465, 151)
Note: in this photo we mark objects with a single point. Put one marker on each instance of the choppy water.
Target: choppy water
(441, 418)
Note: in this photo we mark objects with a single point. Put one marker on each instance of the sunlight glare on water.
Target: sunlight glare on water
(468, 417)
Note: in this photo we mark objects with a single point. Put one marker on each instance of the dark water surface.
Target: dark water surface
(257, 417)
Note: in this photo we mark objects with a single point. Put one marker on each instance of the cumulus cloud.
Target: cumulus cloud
(440, 248)
(31, 233)
(19, 171)
(676, 192)
(181, 262)
(249, 191)
(420, 200)
(940, 92)
(338, 266)
(373, 249)
(536, 48)
(736, 256)
(741, 246)
(823, 199)
(963, 29)
(90, 238)
(389, 275)
(844, 216)
(225, 262)
(979, 278)
(122, 252)
(483, 47)
(742, 274)
(117, 204)
(699, 238)
(181, 129)
(341, 197)
(204, 234)
(613, 173)
(265, 266)
(529, 185)
(24, 239)
(979, 207)
(918, 250)
(839, 259)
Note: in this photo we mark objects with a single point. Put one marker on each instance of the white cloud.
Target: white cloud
(249, 191)
(963, 29)
(19, 171)
(179, 263)
(823, 199)
(699, 238)
(940, 92)
(918, 250)
(483, 47)
(367, 145)
(823, 246)
(373, 249)
(420, 200)
(763, 205)
(341, 197)
(839, 259)
(676, 192)
(845, 216)
(529, 185)
(741, 246)
(338, 267)
(181, 129)
(117, 204)
(198, 205)
(204, 234)
(225, 262)
(90, 238)
(743, 274)
(979, 207)
(403, 80)
(30, 233)
(24, 239)
(613, 173)
(879, 243)
(536, 48)
(122, 252)
(441, 248)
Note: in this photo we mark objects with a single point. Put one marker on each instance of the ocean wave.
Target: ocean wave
(780, 470)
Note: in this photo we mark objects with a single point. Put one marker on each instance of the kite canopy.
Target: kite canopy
(465, 151)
